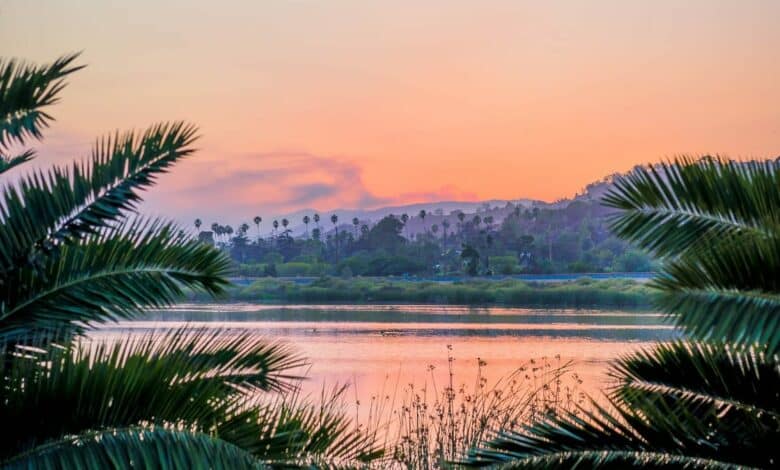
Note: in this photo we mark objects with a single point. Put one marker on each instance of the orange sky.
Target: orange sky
(332, 103)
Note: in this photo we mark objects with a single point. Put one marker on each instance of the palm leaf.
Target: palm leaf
(50, 208)
(681, 205)
(26, 90)
(720, 412)
(716, 224)
(135, 447)
(205, 381)
(193, 378)
(114, 274)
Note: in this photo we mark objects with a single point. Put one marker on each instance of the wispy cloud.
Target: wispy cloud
(278, 183)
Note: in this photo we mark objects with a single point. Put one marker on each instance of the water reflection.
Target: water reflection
(372, 346)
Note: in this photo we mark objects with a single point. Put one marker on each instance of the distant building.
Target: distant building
(206, 237)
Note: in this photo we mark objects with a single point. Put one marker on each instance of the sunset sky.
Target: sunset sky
(357, 104)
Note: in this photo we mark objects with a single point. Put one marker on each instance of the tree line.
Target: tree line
(573, 237)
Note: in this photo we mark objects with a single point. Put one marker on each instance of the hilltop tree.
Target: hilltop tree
(334, 220)
(257, 221)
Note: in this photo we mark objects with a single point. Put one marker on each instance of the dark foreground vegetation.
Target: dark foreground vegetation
(582, 293)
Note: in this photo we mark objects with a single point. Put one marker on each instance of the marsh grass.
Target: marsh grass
(580, 293)
(426, 426)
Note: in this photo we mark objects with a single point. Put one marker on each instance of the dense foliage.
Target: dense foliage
(73, 255)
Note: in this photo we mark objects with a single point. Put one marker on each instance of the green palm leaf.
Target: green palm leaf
(678, 206)
(195, 378)
(205, 381)
(721, 412)
(50, 208)
(25, 91)
(136, 448)
(716, 223)
(114, 274)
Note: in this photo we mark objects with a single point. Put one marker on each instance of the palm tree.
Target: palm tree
(422, 215)
(306, 221)
(435, 229)
(285, 223)
(356, 223)
(445, 225)
(317, 220)
(198, 223)
(275, 224)
(257, 221)
(243, 229)
(405, 219)
(709, 401)
(334, 220)
(73, 254)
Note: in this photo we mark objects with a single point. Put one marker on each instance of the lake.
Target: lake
(378, 349)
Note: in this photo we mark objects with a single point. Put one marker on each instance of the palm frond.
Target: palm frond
(197, 379)
(114, 274)
(48, 209)
(722, 376)
(716, 224)
(135, 447)
(603, 438)
(297, 430)
(690, 405)
(25, 91)
(684, 204)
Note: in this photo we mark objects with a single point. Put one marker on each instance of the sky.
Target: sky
(358, 104)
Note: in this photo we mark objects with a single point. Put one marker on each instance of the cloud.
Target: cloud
(276, 183)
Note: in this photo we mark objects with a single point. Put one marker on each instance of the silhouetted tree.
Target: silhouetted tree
(198, 223)
(306, 223)
(257, 221)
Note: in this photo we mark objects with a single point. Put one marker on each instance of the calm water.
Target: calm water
(379, 348)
